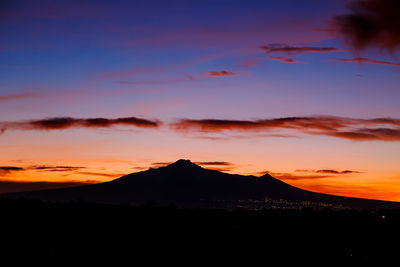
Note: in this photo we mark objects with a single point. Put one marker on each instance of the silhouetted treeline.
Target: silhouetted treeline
(81, 233)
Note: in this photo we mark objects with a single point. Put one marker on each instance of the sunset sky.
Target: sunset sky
(93, 90)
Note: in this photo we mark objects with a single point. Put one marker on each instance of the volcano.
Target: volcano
(186, 184)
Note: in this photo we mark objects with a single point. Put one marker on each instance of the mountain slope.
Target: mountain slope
(189, 185)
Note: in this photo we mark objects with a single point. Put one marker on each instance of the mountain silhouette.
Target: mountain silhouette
(189, 185)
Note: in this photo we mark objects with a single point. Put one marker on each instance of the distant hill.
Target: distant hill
(188, 185)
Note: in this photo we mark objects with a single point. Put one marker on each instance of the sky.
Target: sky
(93, 90)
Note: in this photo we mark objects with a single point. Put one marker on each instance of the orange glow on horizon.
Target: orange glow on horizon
(362, 185)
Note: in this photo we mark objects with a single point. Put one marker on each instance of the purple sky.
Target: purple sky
(234, 62)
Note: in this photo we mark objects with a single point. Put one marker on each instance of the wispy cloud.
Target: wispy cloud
(61, 123)
(184, 78)
(213, 163)
(365, 60)
(11, 97)
(293, 50)
(283, 59)
(103, 174)
(329, 171)
(307, 174)
(56, 168)
(221, 166)
(5, 170)
(294, 177)
(371, 23)
(383, 129)
(160, 164)
(222, 73)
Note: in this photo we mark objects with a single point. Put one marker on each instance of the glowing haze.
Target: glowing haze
(92, 90)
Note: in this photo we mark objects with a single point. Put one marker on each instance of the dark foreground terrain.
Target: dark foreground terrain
(79, 234)
(191, 186)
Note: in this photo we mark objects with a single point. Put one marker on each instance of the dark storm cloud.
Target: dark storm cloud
(383, 129)
(371, 23)
(60, 123)
(365, 60)
(292, 50)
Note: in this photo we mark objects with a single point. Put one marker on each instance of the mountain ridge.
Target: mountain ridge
(189, 185)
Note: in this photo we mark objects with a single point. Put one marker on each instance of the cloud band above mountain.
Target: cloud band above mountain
(383, 129)
(376, 129)
(60, 123)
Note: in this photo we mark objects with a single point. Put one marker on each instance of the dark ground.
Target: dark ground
(80, 233)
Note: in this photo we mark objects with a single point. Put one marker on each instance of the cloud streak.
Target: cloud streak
(5, 170)
(295, 177)
(371, 23)
(61, 123)
(184, 78)
(12, 97)
(382, 129)
(221, 73)
(56, 168)
(103, 174)
(365, 60)
(329, 171)
(283, 59)
(201, 163)
(213, 163)
(295, 50)
(315, 174)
